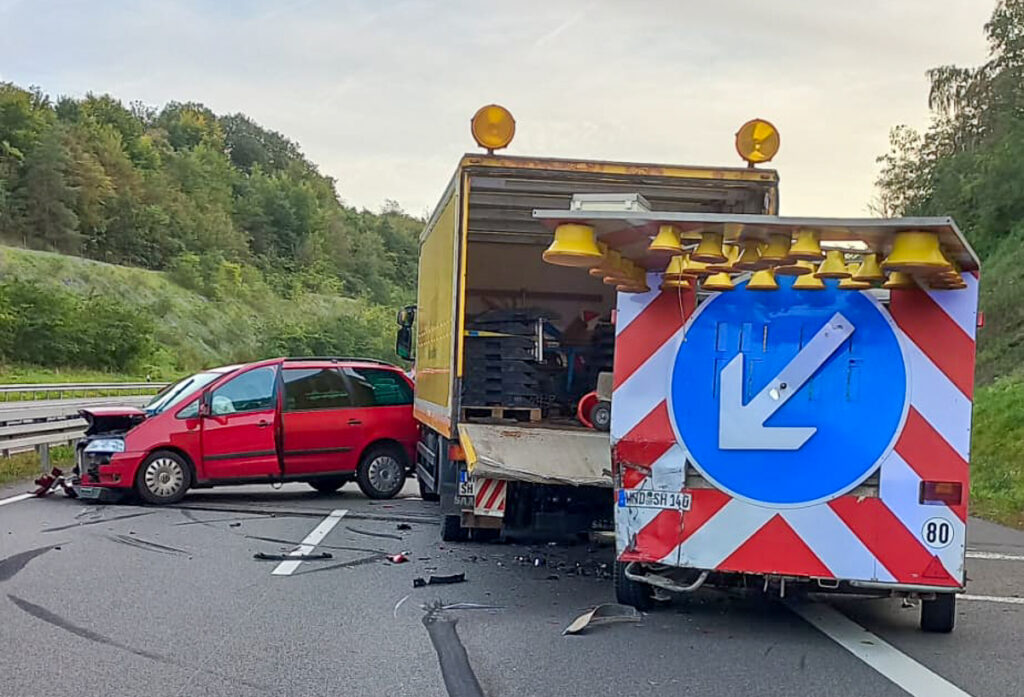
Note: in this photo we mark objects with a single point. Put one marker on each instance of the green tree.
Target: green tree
(47, 198)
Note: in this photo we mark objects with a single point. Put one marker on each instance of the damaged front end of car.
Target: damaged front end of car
(104, 436)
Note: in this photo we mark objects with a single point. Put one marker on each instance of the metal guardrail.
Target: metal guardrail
(36, 422)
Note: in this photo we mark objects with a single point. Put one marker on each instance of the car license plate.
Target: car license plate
(467, 488)
(89, 492)
(646, 498)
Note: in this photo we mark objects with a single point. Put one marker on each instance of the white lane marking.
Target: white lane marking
(993, 599)
(894, 665)
(15, 499)
(994, 555)
(314, 538)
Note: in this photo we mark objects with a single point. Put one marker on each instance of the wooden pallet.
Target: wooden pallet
(501, 413)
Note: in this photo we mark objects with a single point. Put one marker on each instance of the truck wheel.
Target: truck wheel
(632, 593)
(601, 416)
(452, 530)
(328, 485)
(381, 472)
(939, 615)
(164, 477)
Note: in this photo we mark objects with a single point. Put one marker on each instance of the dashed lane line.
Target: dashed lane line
(287, 567)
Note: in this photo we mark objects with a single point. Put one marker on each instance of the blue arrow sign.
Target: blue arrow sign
(788, 397)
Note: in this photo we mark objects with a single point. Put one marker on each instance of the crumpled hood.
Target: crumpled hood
(111, 419)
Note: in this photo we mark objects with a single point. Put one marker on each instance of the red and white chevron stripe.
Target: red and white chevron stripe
(490, 497)
(876, 539)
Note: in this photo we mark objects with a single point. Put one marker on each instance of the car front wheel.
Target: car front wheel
(164, 477)
(381, 472)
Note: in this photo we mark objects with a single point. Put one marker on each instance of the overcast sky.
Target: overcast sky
(379, 94)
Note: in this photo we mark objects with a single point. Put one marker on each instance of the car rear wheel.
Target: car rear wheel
(381, 472)
(164, 477)
(328, 485)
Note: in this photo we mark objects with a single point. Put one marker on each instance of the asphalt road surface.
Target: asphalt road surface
(140, 601)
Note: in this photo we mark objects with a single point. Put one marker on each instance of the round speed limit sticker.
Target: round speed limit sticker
(937, 533)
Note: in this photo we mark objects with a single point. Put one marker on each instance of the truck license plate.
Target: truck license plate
(645, 498)
(467, 488)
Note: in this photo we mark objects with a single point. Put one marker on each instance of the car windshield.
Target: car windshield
(179, 391)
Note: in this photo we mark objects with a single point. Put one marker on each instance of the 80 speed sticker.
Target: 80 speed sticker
(937, 533)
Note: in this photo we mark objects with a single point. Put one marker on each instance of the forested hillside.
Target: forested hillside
(969, 164)
(233, 213)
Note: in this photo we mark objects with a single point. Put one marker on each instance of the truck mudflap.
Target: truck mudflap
(535, 455)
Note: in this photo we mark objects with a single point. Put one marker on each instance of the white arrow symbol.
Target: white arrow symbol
(741, 426)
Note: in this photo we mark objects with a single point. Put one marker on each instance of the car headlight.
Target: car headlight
(106, 445)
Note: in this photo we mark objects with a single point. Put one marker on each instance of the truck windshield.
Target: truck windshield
(179, 391)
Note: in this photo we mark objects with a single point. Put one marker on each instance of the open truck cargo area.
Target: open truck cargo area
(507, 345)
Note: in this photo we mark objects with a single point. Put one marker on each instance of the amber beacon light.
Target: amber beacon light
(757, 141)
(493, 127)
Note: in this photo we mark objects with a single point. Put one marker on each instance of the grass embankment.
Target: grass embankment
(997, 452)
(24, 467)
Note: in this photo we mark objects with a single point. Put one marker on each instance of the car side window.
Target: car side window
(190, 412)
(374, 387)
(250, 391)
(309, 389)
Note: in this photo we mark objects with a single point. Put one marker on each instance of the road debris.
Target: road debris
(439, 580)
(403, 526)
(370, 533)
(603, 614)
(48, 483)
(264, 556)
(398, 558)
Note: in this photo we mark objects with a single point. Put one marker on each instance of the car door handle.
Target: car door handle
(354, 422)
(262, 423)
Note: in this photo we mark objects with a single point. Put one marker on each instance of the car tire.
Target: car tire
(425, 493)
(939, 615)
(381, 472)
(328, 485)
(164, 477)
(452, 530)
(632, 593)
(601, 416)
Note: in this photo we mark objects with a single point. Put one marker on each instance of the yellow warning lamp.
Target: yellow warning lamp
(574, 245)
(869, 270)
(757, 141)
(709, 251)
(777, 249)
(797, 268)
(750, 257)
(946, 284)
(807, 245)
(676, 266)
(718, 281)
(808, 281)
(636, 283)
(493, 127)
(850, 283)
(610, 263)
(695, 269)
(623, 272)
(898, 280)
(666, 241)
(763, 280)
(675, 284)
(732, 255)
(916, 252)
(834, 266)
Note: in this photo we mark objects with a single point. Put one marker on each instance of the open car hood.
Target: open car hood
(111, 419)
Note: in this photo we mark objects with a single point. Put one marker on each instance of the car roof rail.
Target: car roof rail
(339, 359)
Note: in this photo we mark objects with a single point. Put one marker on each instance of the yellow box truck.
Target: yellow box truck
(506, 345)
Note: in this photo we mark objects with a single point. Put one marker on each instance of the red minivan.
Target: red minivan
(324, 421)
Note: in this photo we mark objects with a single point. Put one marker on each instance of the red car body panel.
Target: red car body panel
(276, 436)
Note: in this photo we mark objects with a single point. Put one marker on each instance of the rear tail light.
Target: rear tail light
(939, 493)
(456, 453)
